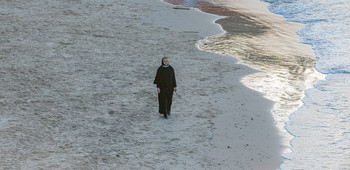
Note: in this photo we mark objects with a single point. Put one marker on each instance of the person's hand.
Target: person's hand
(158, 90)
(175, 88)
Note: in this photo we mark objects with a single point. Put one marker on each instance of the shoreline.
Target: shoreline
(73, 101)
(286, 68)
(223, 124)
(255, 18)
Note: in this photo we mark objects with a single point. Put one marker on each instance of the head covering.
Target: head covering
(164, 59)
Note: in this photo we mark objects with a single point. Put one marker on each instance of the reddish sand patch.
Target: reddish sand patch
(234, 23)
(205, 7)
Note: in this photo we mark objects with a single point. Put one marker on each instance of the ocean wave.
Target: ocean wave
(320, 126)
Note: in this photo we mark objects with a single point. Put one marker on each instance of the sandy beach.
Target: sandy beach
(77, 92)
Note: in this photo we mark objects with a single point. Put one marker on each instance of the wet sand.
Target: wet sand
(77, 92)
(266, 42)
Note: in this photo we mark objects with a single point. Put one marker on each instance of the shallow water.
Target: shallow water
(286, 67)
(321, 126)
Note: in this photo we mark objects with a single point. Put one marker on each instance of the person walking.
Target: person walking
(166, 85)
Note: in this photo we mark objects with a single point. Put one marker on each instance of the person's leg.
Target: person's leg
(169, 100)
(162, 101)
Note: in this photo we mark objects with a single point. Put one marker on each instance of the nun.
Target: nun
(166, 85)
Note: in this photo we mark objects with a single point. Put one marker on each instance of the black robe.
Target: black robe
(165, 77)
(165, 80)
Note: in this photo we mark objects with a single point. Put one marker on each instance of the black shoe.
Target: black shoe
(165, 116)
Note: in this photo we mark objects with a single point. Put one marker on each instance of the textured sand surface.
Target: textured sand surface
(76, 91)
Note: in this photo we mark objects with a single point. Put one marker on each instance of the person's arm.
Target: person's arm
(156, 81)
(174, 81)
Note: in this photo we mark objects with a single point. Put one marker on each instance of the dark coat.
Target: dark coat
(165, 77)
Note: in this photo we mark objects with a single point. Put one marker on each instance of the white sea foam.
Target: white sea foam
(321, 126)
(286, 68)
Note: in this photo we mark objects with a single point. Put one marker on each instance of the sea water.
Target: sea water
(321, 126)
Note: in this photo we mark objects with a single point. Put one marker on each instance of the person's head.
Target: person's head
(165, 61)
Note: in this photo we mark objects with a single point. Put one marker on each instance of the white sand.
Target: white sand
(77, 92)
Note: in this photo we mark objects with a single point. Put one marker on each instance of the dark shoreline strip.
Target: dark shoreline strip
(233, 23)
